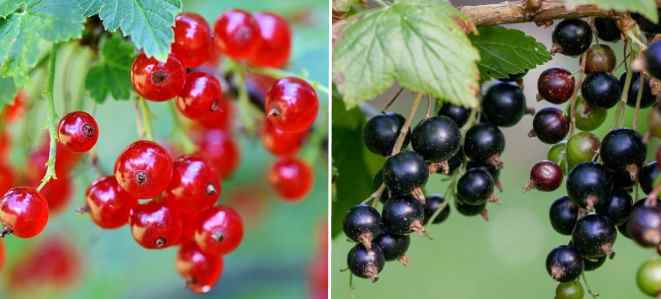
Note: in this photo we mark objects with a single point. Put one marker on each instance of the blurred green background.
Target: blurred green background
(505, 257)
(272, 261)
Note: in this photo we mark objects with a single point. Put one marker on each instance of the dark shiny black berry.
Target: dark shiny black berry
(621, 179)
(653, 59)
(436, 138)
(556, 85)
(623, 230)
(623, 149)
(433, 203)
(601, 90)
(366, 263)
(646, 25)
(381, 131)
(607, 29)
(594, 236)
(363, 224)
(563, 215)
(493, 171)
(393, 246)
(564, 263)
(647, 98)
(593, 264)
(644, 225)
(403, 215)
(475, 187)
(588, 184)
(469, 210)
(550, 125)
(617, 207)
(456, 161)
(572, 37)
(484, 142)
(647, 176)
(504, 104)
(457, 113)
(404, 172)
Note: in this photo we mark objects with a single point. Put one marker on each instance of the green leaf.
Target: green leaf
(90, 7)
(7, 91)
(147, 22)
(417, 43)
(507, 51)
(111, 76)
(644, 7)
(8, 6)
(30, 29)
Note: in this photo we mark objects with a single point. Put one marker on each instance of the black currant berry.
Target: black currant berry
(362, 224)
(456, 161)
(644, 225)
(393, 246)
(403, 215)
(645, 24)
(569, 290)
(593, 264)
(594, 236)
(366, 263)
(433, 203)
(405, 172)
(381, 131)
(485, 142)
(572, 37)
(623, 149)
(653, 59)
(601, 89)
(647, 98)
(588, 184)
(599, 58)
(607, 29)
(648, 175)
(475, 187)
(617, 207)
(564, 264)
(457, 113)
(550, 125)
(436, 138)
(504, 104)
(621, 179)
(545, 176)
(556, 85)
(470, 210)
(563, 215)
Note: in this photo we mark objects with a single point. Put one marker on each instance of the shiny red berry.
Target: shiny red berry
(201, 96)
(220, 118)
(192, 39)
(144, 169)
(220, 149)
(276, 38)
(219, 230)
(291, 178)
(155, 80)
(78, 131)
(237, 34)
(24, 212)
(109, 205)
(16, 108)
(545, 176)
(200, 270)
(57, 193)
(6, 178)
(156, 225)
(556, 85)
(292, 105)
(281, 143)
(195, 185)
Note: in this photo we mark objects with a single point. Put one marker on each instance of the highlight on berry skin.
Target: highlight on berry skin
(165, 149)
(495, 140)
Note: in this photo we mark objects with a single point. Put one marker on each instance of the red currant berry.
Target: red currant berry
(201, 95)
(23, 211)
(189, 219)
(281, 143)
(15, 109)
(144, 169)
(237, 34)
(192, 39)
(156, 225)
(6, 178)
(78, 131)
(219, 230)
(57, 193)
(220, 118)
(109, 205)
(155, 80)
(219, 149)
(200, 270)
(292, 105)
(556, 85)
(275, 48)
(291, 178)
(194, 185)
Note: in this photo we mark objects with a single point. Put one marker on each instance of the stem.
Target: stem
(52, 118)
(572, 103)
(448, 192)
(179, 130)
(392, 100)
(429, 107)
(639, 98)
(247, 119)
(278, 73)
(592, 293)
(619, 113)
(146, 119)
(636, 40)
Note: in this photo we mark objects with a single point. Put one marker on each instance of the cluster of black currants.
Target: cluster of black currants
(602, 174)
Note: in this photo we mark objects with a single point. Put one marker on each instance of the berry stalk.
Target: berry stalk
(278, 73)
(619, 113)
(52, 120)
(145, 114)
(179, 130)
